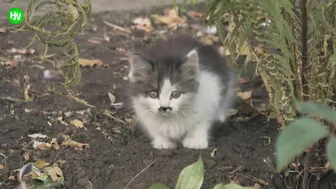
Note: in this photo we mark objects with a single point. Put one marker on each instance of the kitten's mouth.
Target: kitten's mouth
(165, 114)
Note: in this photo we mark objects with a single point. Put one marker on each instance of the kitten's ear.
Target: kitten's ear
(190, 63)
(139, 67)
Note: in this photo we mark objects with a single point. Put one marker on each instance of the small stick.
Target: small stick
(114, 26)
(139, 173)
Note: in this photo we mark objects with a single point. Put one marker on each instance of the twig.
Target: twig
(255, 179)
(10, 99)
(117, 27)
(236, 170)
(62, 150)
(139, 173)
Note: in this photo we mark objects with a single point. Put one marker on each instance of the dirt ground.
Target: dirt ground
(118, 151)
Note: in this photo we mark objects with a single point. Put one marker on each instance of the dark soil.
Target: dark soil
(118, 151)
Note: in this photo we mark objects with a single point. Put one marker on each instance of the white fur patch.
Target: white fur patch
(165, 93)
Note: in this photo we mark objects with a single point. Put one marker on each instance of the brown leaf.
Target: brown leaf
(169, 18)
(106, 37)
(235, 181)
(26, 155)
(3, 30)
(244, 95)
(90, 63)
(143, 23)
(26, 92)
(224, 51)
(195, 14)
(52, 173)
(242, 81)
(257, 186)
(195, 27)
(1, 166)
(75, 145)
(41, 145)
(206, 40)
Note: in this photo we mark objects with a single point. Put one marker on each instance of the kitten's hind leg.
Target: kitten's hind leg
(228, 100)
(197, 138)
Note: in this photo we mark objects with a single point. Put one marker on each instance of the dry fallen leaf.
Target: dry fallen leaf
(232, 111)
(224, 51)
(52, 173)
(169, 18)
(93, 41)
(1, 166)
(235, 181)
(37, 135)
(195, 14)
(245, 49)
(242, 81)
(257, 186)
(106, 37)
(90, 63)
(26, 155)
(26, 92)
(143, 23)
(41, 145)
(77, 123)
(3, 30)
(213, 153)
(112, 98)
(206, 40)
(54, 144)
(41, 164)
(75, 145)
(244, 95)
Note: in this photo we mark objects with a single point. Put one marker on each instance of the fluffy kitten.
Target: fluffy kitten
(179, 87)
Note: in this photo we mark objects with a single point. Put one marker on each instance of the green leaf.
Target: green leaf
(317, 109)
(296, 137)
(331, 152)
(158, 186)
(230, 186)
(191, 176)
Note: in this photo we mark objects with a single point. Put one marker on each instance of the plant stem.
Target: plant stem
(304, 46)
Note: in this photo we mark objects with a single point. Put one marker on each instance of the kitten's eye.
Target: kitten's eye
(176, 94)
(153, 94)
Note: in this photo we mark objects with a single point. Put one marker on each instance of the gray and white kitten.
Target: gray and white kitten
(179, 88)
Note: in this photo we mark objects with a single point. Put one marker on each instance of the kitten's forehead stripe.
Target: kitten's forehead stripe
(166, 61)
(165, 92)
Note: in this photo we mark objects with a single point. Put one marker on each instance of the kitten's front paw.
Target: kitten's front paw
(163, 144)
(195, 143)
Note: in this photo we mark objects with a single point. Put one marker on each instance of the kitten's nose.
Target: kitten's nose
(164, 109)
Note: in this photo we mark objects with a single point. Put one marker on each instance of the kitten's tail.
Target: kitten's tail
(26, 169)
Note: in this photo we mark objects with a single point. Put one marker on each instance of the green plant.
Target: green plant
(303, 132)
(191, 177)
(69, 17)
(293, 43)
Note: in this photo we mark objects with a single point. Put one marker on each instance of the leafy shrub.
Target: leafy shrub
(293, 43)
(303, 132)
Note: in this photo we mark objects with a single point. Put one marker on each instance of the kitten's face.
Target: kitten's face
(165, 87)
